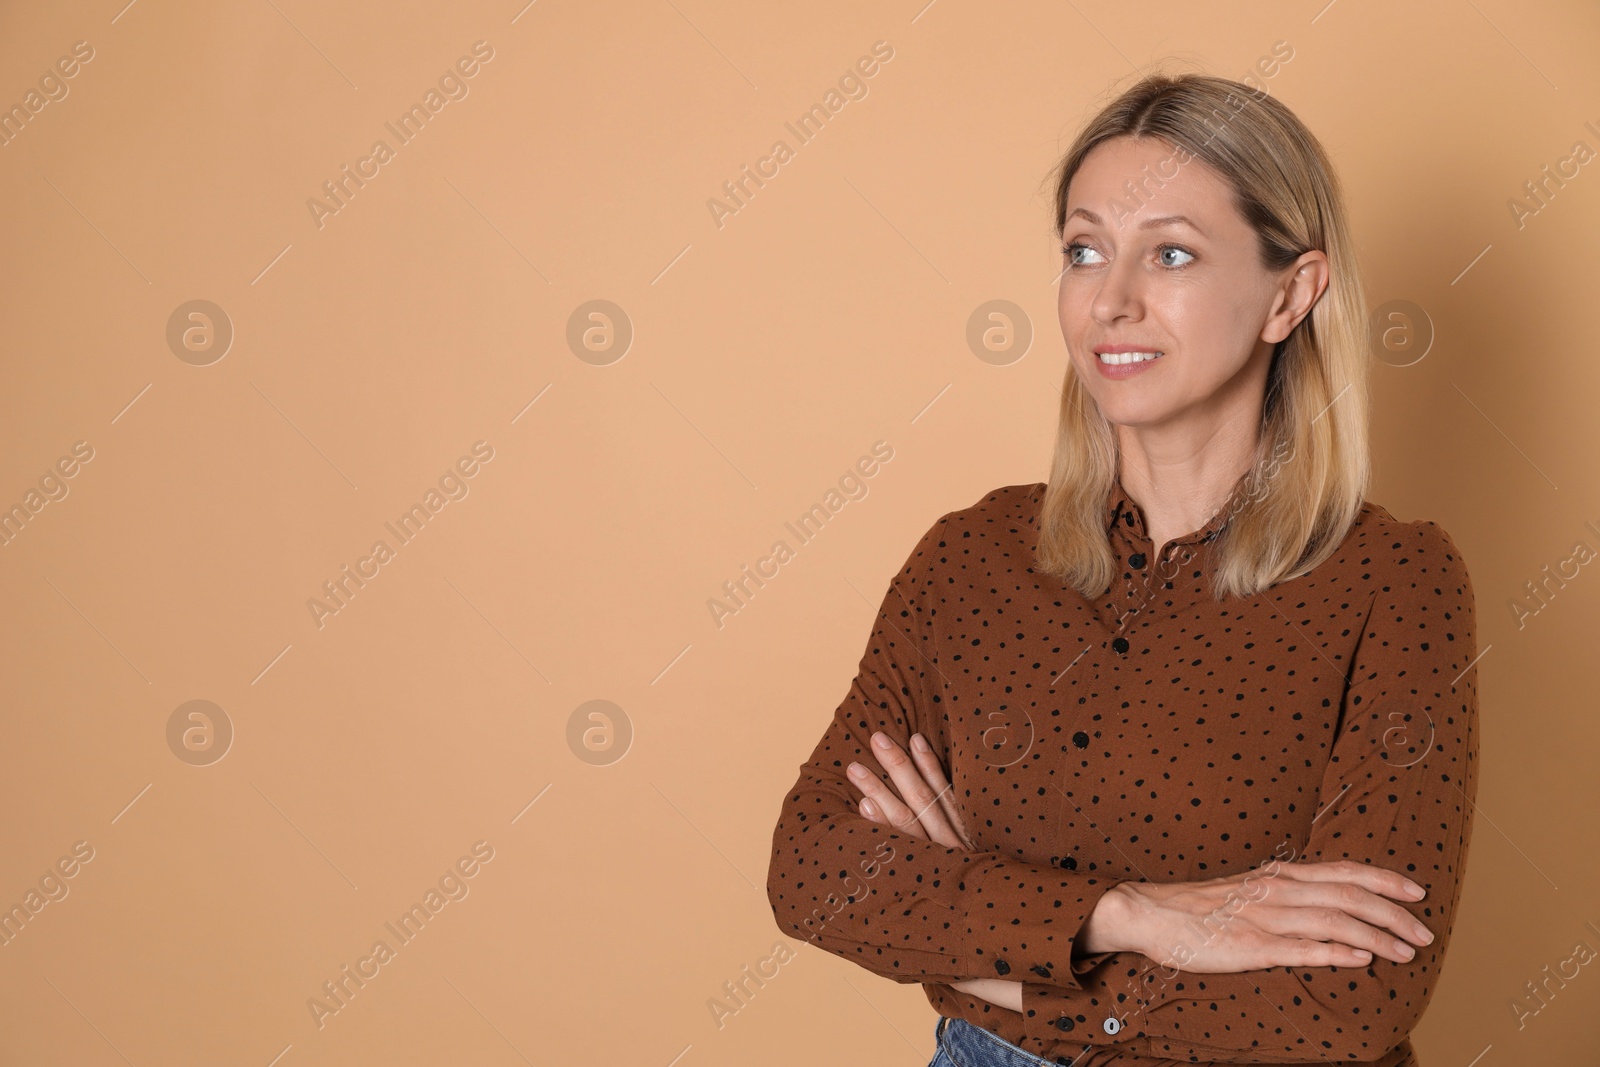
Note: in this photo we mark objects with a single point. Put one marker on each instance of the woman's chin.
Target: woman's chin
(1136, 414)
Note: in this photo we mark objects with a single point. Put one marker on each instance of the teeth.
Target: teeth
(1127, 357)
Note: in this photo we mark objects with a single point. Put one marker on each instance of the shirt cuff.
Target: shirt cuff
(1116, 991)
(1024, 920)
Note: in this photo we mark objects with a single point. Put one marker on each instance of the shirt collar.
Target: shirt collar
(1125, 517)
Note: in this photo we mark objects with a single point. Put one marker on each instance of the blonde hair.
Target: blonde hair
(1286, 515)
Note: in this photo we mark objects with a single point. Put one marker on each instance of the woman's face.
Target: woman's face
(1194, 291)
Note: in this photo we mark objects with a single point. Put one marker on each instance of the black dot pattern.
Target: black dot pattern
(1149, 734)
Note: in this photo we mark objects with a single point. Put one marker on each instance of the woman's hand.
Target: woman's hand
(1335, 913)
(928, 810)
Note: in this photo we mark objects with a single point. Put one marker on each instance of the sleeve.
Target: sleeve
(1398, 792)
(905, 908)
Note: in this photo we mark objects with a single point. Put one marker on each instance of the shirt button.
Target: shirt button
(1111, 1026)
(1002, 967)
(1064, 1023)
(1080, 739)
(1136, 560)
(1120, 644)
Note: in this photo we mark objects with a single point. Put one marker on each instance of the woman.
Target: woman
(1208, 715)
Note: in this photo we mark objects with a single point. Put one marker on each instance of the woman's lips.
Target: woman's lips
(1118, 371)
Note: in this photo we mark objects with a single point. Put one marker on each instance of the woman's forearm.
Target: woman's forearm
(1001, 992)
(1109, 928)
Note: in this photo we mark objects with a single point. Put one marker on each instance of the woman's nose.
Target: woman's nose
(1120, 293)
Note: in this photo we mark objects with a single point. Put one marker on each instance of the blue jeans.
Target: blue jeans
(960, 1044)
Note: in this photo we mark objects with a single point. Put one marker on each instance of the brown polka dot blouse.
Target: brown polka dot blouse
(1152, 734)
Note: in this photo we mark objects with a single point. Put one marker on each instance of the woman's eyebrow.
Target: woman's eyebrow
(1157, 220)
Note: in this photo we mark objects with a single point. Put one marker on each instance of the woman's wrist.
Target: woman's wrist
(1111, 925)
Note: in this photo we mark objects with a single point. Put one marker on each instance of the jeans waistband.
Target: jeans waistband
(973, 1046)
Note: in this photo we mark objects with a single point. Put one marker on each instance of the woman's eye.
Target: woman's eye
(1071, 253)
(1164, 249)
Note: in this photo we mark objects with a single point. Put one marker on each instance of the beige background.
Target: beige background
(435, 710)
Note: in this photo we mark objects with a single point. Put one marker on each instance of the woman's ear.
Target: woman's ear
(1305, 280)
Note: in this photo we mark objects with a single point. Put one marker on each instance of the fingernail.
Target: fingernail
(1415, 890)
(1406, 951)
(921, 743)
(882, 740)
(1424, 935)
(1363, 955)
(868, 808)
(855, 770)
